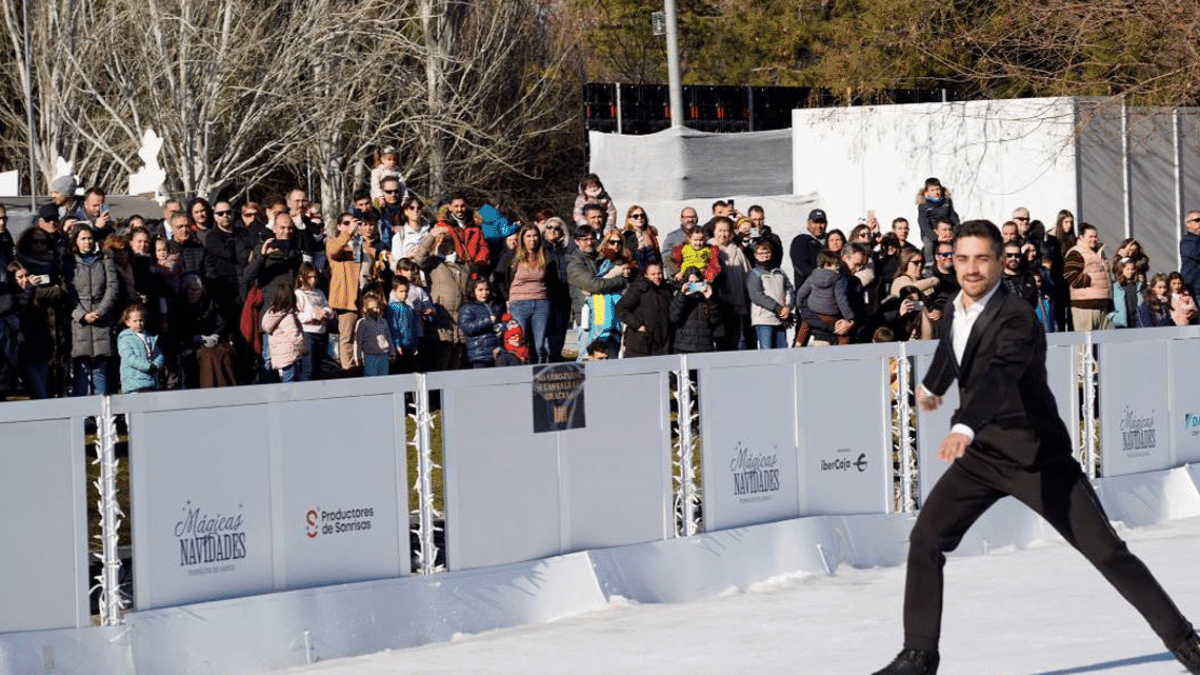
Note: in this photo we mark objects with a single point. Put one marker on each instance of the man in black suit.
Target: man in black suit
(1007, 439)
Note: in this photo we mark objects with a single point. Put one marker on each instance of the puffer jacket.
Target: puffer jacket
(648, 306)
(141, 361)
(94, 287)
(475, 320)
(286, 337)
(695, 318)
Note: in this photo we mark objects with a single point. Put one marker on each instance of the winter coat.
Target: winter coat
(582, 276)
(769, 291)
(141, 361)
(447, 288)
(602, 309)
(824, 292)
(286, 337)
(695, 317)
(645, 305)
(929, 213)
(403, 325)
(475, 320)
(94, 287)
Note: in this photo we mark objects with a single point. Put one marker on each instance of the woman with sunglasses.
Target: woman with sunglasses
(528, 278)
(407, 238)
(640, 237)
(602, 316)
(910, 273)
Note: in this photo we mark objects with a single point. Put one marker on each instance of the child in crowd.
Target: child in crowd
(387, 165)
(141, 359)
(314, 311)
(514, 351)
(372, 340)
(285, 336)
(168, 267)
(422, 306)
(591, 191)
(822, 302)
(477, 318)
(403, 325)
(699, 254)
(770, 299)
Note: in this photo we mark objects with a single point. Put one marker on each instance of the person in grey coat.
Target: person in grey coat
(94, 290)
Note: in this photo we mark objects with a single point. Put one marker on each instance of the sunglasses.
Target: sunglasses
(412, 207)
(554, 228)
(222, 213)
(916, 262)
(391, 192)
(639, 216)
(1012, 255)
(948, 254)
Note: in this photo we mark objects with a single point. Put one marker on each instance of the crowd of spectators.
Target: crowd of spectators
(215, 294)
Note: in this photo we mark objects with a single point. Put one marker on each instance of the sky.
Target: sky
(1036, 611)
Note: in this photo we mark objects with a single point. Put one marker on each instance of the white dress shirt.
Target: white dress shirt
(960, 330)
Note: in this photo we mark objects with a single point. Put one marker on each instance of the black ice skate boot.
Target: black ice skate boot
(913, 662)
(1188, 653)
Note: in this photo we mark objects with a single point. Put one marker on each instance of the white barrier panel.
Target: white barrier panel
(243, 491)
(514, 495)
(845, 443)
(1062, 373)
(750, 466)
(1134, 409)
(1185, 400)
(932, 426)
(43, 498)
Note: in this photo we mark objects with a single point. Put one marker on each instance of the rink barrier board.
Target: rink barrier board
(234, 458)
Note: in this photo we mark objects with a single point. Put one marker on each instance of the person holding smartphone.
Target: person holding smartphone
(695, 312)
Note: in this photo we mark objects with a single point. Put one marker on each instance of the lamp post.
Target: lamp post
(673, 77)
(29, 112)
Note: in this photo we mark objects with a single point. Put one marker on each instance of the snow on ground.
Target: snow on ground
(1038, 611)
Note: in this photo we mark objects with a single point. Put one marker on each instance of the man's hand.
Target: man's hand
(842, 326)
(953, 446)
(927, 401)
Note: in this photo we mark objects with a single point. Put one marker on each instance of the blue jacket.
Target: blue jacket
(402, 324)
(475, 321)
(141, 361)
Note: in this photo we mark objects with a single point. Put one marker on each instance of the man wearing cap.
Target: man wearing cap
(62, 193)
(49, 222)
(806, 246)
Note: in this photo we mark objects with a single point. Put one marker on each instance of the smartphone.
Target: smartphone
(918, 305)
(696, 286)
(104, 208)
(282, 244)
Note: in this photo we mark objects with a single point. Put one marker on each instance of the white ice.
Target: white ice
(1038, 611)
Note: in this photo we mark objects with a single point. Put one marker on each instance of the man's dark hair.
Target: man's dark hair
(585, 232)
(95, 190)
(756, 209)
(1084, 227)
(592, 207)
(362, 194)
(856, 247)
(826, 258)
(900, 219)
(603, 345)
(983, 229)
(720, 219)
(719, 204)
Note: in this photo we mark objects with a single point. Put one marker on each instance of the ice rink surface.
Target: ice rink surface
(1037, 611)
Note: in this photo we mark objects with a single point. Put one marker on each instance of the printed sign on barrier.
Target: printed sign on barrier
(209, 535)
(845, 450)
(341, 517)
(1185, 400)
(749, 445)
(1134, 408)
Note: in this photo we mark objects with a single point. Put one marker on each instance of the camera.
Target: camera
(696, 286)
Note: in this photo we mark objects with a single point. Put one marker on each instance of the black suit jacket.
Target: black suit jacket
(1003, 393)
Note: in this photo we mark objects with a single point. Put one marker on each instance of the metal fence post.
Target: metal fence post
(427, 513)
(687, 497)
(1089, 405)
(111, 602)
(903, 413)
